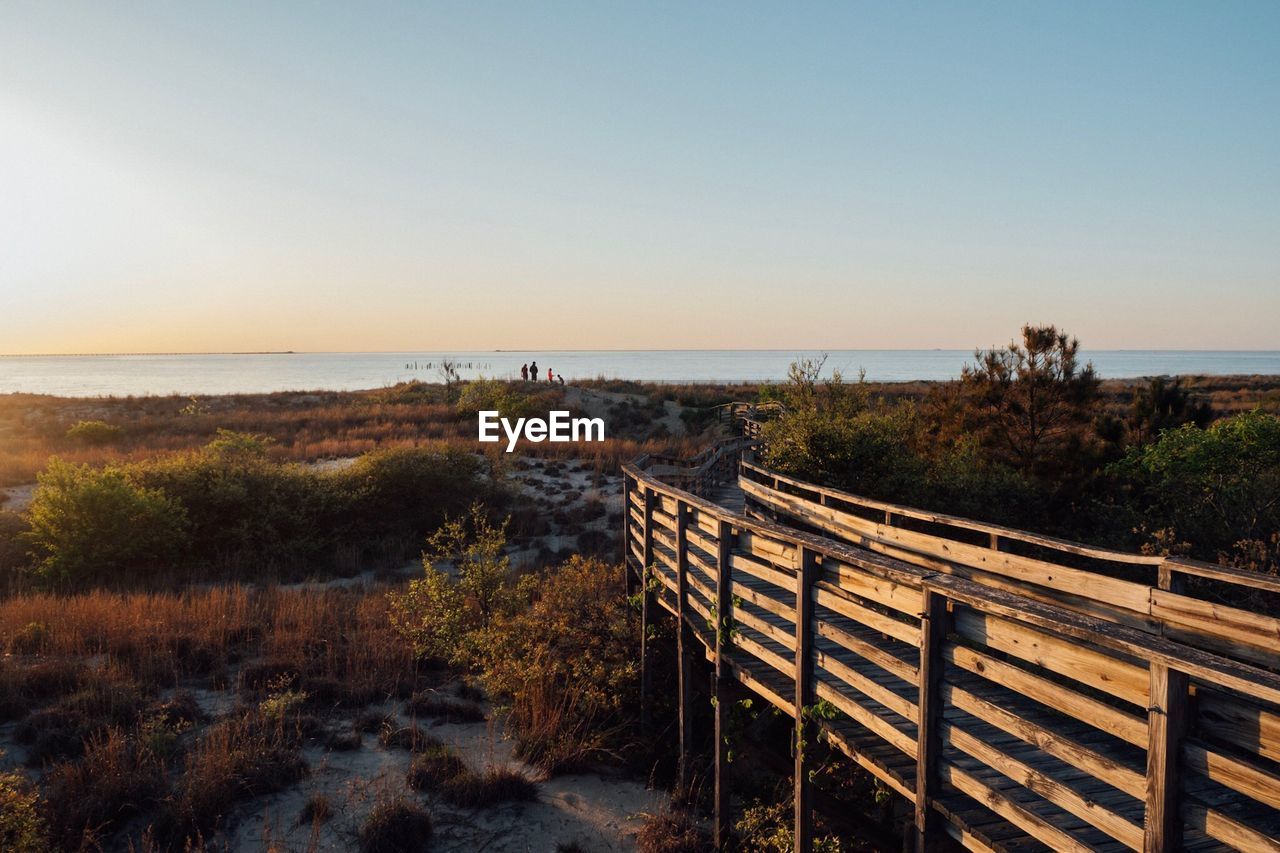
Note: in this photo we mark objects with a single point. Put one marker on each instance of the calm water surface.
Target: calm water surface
(88, 376)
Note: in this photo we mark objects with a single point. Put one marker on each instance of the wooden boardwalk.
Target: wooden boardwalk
(1016, 703)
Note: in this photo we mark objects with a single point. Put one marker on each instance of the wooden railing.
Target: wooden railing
(1014, 710)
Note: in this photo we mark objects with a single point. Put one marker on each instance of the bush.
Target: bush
(442, 617)
(96, 526)
(399, 826)
(1213, 488)
(409, 491)
(94, 433)
(22, 827)
(566, 665)
(245, 509)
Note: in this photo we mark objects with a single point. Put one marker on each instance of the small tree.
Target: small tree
(451, 379)
(468, 580)
(1031, 402)
(1163, 405)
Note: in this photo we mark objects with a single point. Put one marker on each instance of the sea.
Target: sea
(225, 373)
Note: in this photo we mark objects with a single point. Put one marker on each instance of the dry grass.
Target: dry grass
(82, 674)
(304, 427)
(330, 639)
(395, 826)
(494, 786)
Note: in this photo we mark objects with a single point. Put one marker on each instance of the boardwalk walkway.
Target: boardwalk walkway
(1020, 693)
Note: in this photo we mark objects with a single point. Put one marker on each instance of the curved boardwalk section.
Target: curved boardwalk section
(1021, 692)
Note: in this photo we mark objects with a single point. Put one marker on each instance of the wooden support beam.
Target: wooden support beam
(1167, 721)
(934, 627)
(723, 687)
(647, 609)
(684, 647)
(632, 579)
(806, 729)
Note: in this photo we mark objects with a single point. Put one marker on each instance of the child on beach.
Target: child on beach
(524, 372)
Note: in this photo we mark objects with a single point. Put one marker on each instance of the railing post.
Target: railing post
(1170, 579)
(933, 633)
(646, 612)
(806, 730)
(1167, 719)
(626, 535)
(724, 601)
(684, 643)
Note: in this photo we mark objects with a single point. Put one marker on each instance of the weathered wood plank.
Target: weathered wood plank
(1114, 721)
(1101, 671)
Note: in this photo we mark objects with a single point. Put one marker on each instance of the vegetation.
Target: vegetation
(395, 827)
(1022, 439)
(557, 648)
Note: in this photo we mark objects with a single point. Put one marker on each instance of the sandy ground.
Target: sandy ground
(599, 812)
(596, 404)
(17, 497)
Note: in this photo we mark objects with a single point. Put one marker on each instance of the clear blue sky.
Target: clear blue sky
(348, 176)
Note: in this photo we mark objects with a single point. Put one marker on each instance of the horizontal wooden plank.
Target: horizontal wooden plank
(742, 616)
(755, 568)
(903, 598)
(1053, 743)
(1066, 546)
(763, 600)
(838, 600)
(1097, 669)
(1127, 727)
(871, 720)
(881, 658)
(1216, 824)
(1224, 574)
(871, 534)
(1012, 811)
(1247, 725)
(878, 692)
(1236, 631)
(1231, 772)
(765, 547)
(1063, 796)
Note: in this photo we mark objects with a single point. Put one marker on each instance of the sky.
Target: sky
(179, 177)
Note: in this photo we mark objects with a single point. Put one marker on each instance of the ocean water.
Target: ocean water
(120, 375)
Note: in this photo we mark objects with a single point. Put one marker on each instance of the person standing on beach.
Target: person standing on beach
(549, 376)
(533, 370)
(524, 372)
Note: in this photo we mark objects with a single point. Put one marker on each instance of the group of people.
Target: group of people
(529, 372)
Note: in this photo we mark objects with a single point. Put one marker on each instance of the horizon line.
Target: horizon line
(509, 350)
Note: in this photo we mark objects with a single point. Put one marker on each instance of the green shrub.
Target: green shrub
(246, 509)
(96, 526)
(566, 666)
(94, 433)
(22, 828)
(408, 491)
(442, 613)
(1213, 488)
